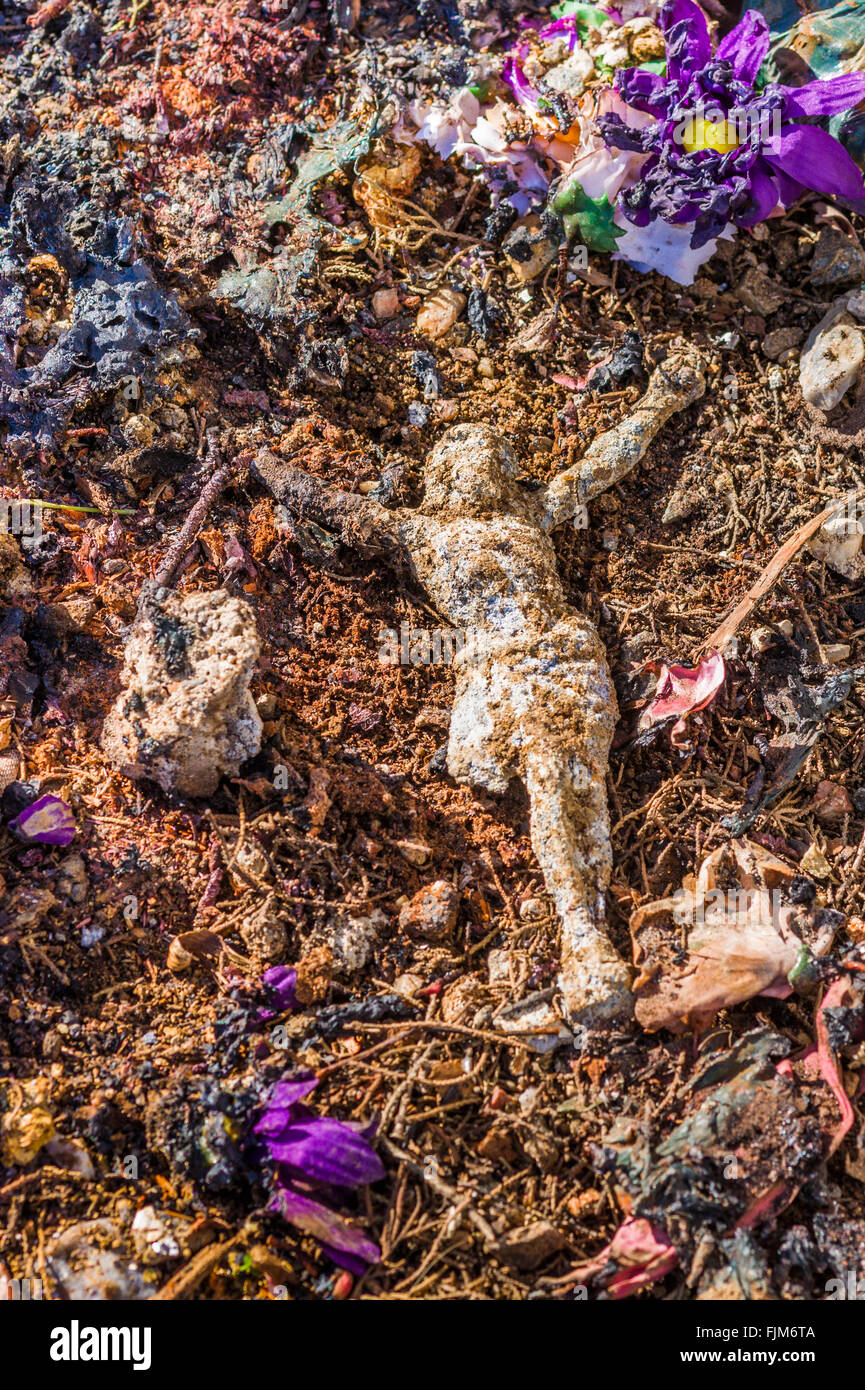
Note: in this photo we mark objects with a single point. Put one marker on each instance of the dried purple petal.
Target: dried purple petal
(324, 1150)
(314, 1149)
(280, 982)
(326, 1225)
(48, 821)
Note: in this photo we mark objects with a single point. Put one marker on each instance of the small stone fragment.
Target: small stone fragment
(185, 716)
(26, 1123)
(529, 250)
(528, 1246)
(264, 933)
(439, 314)
(353, 940)
(830, 363)
(778, 344)
(385, 303)
(432, 912)
(759, 293)
(831, 803)
(836, 652)
(814, 863)
(87, 1268)
(837, 260)
(414, 852)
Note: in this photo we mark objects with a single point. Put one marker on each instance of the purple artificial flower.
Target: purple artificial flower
(527, 95)
(48, 821)
(314, 1151)
(568, 26)
(512, 73)
(711, 179)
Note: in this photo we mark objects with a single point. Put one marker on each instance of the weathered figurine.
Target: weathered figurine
(534, 697)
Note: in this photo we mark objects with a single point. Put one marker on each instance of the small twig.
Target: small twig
(719, 639)
(194, 521)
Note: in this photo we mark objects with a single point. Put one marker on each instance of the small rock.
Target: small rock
(314, 974)
(418, 414)
(529, 250)
(528, 1246)
(408, 984)
(831, 803)
(532, 910)
(759, 293)
(264, 933)
(185, 716)
(499, 967)
(414, 852)
(837, 259)
(385, 304)
(814, 863)
(780, 343)
(462, 998)
(681, 505)
(830, 363)
(447, 409)
(762, 639)
(87, 1269)
(542, 1150)
(836, 652)
(535, 1012)
(432, 912)
(26, 1123)
(353, 940)
(156, 1235)
(498, 1145)
(70, 1154)
(439, 313)
(72, 882)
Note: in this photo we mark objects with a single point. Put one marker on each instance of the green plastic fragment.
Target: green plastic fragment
(587, 16)
(590, 219)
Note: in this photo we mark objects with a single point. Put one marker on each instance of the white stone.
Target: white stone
(830, 364)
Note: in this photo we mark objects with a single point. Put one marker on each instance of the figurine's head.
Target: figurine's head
(472, 468)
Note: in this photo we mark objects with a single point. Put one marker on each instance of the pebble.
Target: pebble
(385, 304)
(440, 312)
(831, 803)
(528, 1246)
(418, 414)
(432, 912)
(353, 941)
(836, 652)
(759, 293)
(532, 910)
(830, 364)
(414, 852)
(814, 863)
(779, 344)
(837, 259)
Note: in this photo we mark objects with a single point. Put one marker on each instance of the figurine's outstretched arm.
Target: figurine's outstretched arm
(359, 520)
(675, 384)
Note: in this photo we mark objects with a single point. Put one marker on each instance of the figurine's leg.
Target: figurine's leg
(480, 751)
(570, 837)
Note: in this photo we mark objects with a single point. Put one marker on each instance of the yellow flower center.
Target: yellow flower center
(700, 134)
